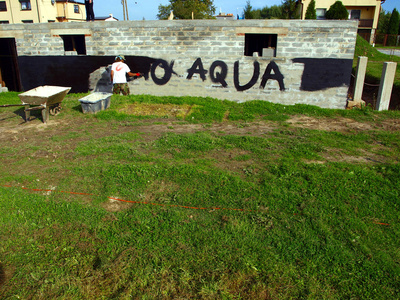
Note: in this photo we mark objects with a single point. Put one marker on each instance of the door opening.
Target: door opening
(9, 71)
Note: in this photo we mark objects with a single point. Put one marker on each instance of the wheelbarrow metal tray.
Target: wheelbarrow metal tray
(47, 98)
(95, 102)
(44, 95)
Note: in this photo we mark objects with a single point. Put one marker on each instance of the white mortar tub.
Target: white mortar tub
(95, 102)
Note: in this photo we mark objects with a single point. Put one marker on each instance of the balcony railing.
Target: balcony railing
(366, 23)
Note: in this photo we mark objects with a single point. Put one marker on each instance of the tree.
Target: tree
(183, 9)
(273, 12)
(383, 23)
(311, 12)
(248, 11)
(256, 14)
(337, 11)
(290, 9)
(393, 27)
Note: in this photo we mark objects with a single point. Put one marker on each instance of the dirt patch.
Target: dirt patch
(338, 124)
(162, 110)
(34, 132)
(5, 274)
(115, 204)
(363, 158)
(53, 144)
(342, 124)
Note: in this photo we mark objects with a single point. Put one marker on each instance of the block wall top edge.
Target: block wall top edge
(69, 31)
(184, 24)
(18, 34)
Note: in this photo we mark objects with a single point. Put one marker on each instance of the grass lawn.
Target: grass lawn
(197, 198)
(386, 47)
(375, 62)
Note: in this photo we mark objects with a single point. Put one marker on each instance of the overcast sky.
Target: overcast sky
(148, 9)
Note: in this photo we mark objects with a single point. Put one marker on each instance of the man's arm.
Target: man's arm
(134, 74)
(112, 76)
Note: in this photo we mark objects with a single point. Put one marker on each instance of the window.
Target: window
(27, 21)
(25, 4)
(321, 13)
(3, 6)
(74, 43)
(4, 22)
(256, 42)
(355, 14)
(76, 8)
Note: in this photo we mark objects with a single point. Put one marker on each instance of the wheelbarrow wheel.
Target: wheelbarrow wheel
(55, 110)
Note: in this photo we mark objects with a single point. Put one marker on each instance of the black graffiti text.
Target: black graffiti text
(218, 73)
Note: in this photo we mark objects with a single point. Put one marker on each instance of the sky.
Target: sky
(148, 9)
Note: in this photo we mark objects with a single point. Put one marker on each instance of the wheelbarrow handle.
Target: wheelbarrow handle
(7, 105)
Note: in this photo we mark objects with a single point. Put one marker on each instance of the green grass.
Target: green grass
(375, 62)
(210, 206)
(386, 47)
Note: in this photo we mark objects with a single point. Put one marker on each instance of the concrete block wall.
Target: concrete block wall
(313, 57)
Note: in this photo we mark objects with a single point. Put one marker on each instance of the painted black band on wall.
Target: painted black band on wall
(323, 73)
(74, 71)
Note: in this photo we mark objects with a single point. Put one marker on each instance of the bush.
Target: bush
(337, 11)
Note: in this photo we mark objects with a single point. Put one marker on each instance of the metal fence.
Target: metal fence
(382, 39)
(387, 39)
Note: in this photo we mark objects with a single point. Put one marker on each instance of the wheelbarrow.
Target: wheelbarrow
(46, 98)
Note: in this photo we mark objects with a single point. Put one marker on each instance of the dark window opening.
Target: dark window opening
(76, 9)
(25, 4)
(355, 14)
(27, 21)
(256, 42)
(4, 22)
(3, 6)
(321, 13)
(74, 43)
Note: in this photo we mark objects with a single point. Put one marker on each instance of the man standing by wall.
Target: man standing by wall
(118, 76)
(89, 10)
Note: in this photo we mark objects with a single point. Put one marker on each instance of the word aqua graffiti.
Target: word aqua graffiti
(218, 72)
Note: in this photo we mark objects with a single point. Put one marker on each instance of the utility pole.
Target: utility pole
(125, 9)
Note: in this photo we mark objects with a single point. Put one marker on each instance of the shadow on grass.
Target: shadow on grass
(77, 108)
(17, 113)
(2, 275)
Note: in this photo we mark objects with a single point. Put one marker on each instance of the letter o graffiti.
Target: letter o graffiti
(167, 72)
